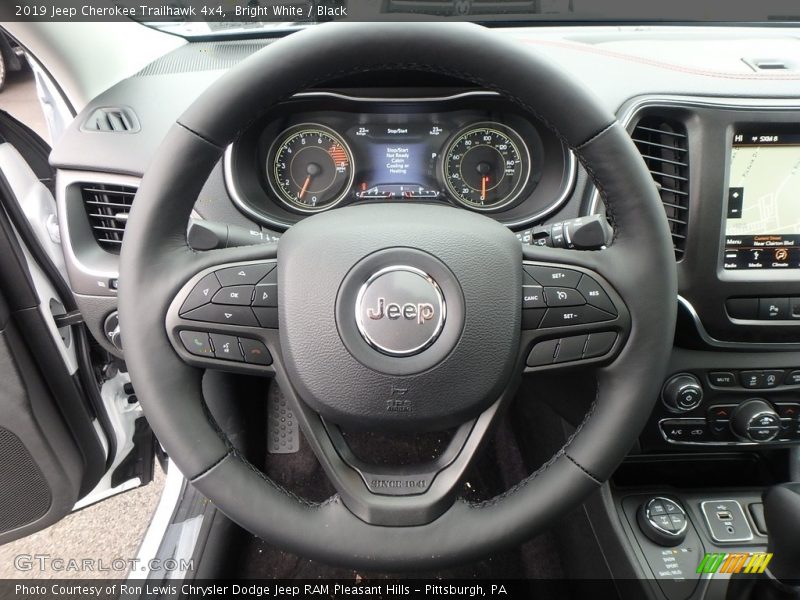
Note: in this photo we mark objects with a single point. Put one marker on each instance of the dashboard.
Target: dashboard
(472, 150)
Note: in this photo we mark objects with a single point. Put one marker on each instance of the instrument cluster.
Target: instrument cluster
(319, 151)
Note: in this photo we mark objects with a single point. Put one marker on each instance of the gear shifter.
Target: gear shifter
(781, 581)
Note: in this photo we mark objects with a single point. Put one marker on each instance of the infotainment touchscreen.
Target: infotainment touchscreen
(762, 225)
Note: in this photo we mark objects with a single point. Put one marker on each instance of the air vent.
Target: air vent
(663, 144)
(107, 207)
(112, 120)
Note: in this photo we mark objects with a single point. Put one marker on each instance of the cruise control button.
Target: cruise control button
(575, 315)
(752, 379)
(266, 295)
(596, 295)
(599, 343)
(244, 275)
(228, 315)
(197, 343)
(558, 296)
(237, 295)
(532, 296)
(722, 379)
(226, 347)
(531, 317)
(202, 293)
(542, 353)
(554, 276)
(570, 348)
(255, 352)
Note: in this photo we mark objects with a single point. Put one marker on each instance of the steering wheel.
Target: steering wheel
(395, 318)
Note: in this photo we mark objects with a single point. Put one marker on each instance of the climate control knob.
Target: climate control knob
(682, 393)
(755, 421)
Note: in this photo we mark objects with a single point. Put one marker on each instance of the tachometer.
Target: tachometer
(310, 168)
(486, 166)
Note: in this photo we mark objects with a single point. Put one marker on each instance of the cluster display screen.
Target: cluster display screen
(762, 224)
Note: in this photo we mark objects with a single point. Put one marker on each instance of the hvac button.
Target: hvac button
(237, 295)
(197, 343)
(244, 275)
(202, 293)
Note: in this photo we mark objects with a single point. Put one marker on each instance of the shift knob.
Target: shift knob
(782, 514)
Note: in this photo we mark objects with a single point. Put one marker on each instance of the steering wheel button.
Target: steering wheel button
(554, 276)
(267, 316)
(574, 315)
(255, 352)
(226, 347)
(559, 296)
(599, 344)
(271, 277)
(201, 294)
(197, 343)
(531, 317)
(266, 295)
(532, 296)
(228, 315)
(543, 353)
(237, 295)
(596, 295)
(570, 348)
(245, 274)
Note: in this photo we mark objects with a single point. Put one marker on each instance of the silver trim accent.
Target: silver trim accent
(227, 162)
(289, 133)
(661, 529)
(712, 341)
(359, 314)
(461, 133)
(711, 531)
(715, 442)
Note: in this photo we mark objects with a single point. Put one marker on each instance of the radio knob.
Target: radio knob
(755, 421)
(682, 393)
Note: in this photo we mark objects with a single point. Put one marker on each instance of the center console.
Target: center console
(726, 425)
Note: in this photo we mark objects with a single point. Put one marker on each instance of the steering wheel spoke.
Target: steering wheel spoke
(226, 317)
(571, 315)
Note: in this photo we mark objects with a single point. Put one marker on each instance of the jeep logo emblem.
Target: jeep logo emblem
(400, 311)
(421, 312)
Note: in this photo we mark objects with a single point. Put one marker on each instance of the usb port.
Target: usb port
(724, 515)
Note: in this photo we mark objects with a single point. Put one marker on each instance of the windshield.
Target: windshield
(196, 18)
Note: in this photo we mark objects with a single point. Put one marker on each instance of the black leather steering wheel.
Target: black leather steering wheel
(453, 363)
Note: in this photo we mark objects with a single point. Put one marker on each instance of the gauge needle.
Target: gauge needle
(305, 186)
(484, 181)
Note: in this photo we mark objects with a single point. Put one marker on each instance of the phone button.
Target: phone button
(197, 343)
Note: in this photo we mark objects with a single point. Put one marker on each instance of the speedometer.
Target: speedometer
(486, 166)
(310, 168)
